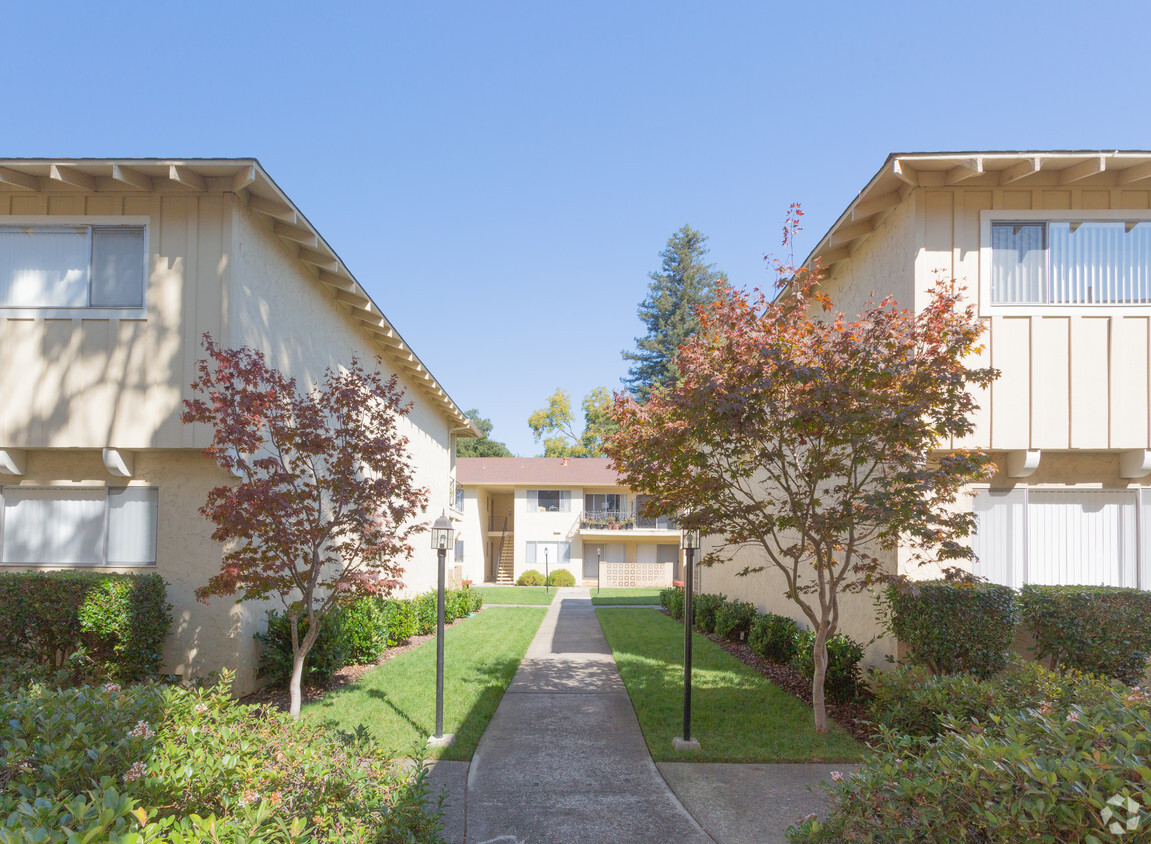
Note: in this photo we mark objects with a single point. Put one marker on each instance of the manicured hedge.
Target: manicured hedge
(704, 607)
(954, 627)
(96, 624)
(843, 679)
(561, 577)
(733, 619)
(531, 577)
(1104, 630)
(151, 764)
(359, 633)
(774, 637)
(672, 601)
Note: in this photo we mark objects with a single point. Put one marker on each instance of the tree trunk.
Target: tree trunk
(294, 684)
(818, 704)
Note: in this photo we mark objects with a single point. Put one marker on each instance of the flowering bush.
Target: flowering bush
(1050, 773)
(93, 763)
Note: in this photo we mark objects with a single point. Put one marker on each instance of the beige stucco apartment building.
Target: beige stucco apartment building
(1055, 248)
(110, 273)
(520, 513)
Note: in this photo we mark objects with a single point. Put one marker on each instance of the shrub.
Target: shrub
(842, 680)
(704, 608)
(1034, 775)
(672, 601)
(152, 764)
(531, 577)
(1103, 630)
(399, 621)
(953, 627)
(561, 577)
(773, 637)
(426, 610)
(456, 605)
(476, 601)
(912, 701)
(328, 655)
(365, 632)
(733, 619)
(101, 625)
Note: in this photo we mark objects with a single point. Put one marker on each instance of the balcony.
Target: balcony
(603, 520)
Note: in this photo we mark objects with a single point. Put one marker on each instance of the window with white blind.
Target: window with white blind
(1071, 262)
(71, 267)
(553, 552)
(70, 526)
(1063, 537)
(549, 500)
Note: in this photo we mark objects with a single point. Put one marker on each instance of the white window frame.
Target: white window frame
(533, 502)
(988, 309)
(107, 490)
(51, 221)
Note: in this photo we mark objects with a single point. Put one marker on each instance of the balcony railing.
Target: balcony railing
(622, 520)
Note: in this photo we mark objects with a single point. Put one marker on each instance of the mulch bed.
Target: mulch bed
(852, 717)
(278, 697)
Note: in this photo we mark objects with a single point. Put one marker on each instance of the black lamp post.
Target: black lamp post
(690, 546)
(547, 574)
(442, 533)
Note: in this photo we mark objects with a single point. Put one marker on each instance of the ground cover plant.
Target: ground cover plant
(148, 763)
(1054, 772)
(395, 702)
(495, 595)
(738, 715)
(623, 595)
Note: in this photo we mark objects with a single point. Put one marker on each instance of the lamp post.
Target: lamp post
(547, 574)
(442, 533)
(690, 546)
(598, 568)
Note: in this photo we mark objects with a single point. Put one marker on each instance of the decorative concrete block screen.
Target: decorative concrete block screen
(636, 574)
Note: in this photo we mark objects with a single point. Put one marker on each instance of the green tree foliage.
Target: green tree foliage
(555, 424)
(484, 446)
(683, 283)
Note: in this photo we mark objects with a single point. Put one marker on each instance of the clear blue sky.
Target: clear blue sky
(502, 176)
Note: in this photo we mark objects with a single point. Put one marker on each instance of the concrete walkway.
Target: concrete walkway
(563, 759)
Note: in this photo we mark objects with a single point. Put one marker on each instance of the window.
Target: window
(70, 526)
(598, 502)
(552, 552)
(1071, 262)
(1068, 537)
(72, 266)
(549, 500)
(459, 555)
(456, 495)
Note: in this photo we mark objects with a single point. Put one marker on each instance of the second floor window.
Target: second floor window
(1071, 263)
(71, 267)
(549, 500)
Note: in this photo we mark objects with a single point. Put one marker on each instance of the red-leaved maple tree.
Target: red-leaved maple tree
(324, 505)
(821, 441)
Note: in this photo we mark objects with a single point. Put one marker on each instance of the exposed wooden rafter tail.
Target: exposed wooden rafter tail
(16, 179)
(183, 176)
(73, 178)
(129, 178)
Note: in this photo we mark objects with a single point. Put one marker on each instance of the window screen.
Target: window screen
(117, 267)
(53, 527)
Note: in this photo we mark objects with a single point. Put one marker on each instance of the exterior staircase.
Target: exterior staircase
(506, 569)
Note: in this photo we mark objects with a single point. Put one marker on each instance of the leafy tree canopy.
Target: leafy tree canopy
(556, 425)
(484, 446)
(820, 441)
(684, 282)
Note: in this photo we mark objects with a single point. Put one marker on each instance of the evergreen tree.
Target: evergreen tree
(683, 282)
(484, 446)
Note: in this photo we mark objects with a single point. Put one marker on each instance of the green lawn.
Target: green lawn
(397, 701)
(495, 595)
(608, 597)
(737, 715)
